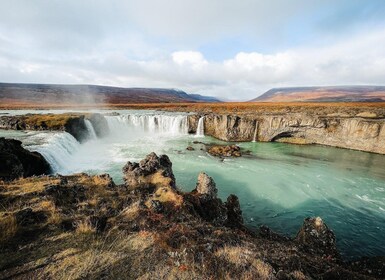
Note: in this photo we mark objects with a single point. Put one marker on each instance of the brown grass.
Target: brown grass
(8, 227)
(244, 259)
(85, 227)
(27, 185)
(51, 121)
(49, 206)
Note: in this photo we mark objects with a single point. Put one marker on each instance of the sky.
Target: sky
(231, 49)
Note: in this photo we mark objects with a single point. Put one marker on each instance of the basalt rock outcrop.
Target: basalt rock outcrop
(18, 162)
(154, 174)
(357, 132)
(317, 237)
(152, 170)
(72, 123)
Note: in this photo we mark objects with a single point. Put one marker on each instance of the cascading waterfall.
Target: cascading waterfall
(201, 127)
(160, 124)
(66, 155)
(57, 149)
(255, 134)
(91, 130)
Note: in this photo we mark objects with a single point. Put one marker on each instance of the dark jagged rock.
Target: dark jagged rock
(206, 186)
(18, 162)
(225, 151)
(152, 170)
(234, 212)
(100, 125)
(77, 128)
(211, 208)
(316, 237)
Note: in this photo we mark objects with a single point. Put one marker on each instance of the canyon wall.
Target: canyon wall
(355, 133)
(73, 123)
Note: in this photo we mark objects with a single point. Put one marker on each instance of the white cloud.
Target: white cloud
(192, 59)
(155, 44)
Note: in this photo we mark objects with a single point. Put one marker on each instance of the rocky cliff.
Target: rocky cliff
(357, 133)
(72, 123)
(16, 162)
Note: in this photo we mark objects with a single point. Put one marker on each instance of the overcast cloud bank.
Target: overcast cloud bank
(223, 48)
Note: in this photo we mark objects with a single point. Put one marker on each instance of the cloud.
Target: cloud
(161, 44)
(192, 59)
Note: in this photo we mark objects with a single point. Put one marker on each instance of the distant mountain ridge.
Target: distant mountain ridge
(324, 94)
(93, 94)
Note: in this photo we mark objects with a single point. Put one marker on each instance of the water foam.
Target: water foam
(57, 148)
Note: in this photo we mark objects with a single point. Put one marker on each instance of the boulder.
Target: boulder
(225, 151)
(152, 170)
(234, 212)
(206, 186)
(316, 237)
(209, 207)
(18, 162)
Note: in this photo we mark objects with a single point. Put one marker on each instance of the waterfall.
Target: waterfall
(255, 133)
(57, 148)
(153, 124)
(91, 130)
(201, 127)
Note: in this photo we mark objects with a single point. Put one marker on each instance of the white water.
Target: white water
(91, 130)
(201, 127)
(66, 155)
(136, 124)
(57, 148)
(255, 133)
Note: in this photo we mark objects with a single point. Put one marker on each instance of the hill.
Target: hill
(324, 94)
(11, 93)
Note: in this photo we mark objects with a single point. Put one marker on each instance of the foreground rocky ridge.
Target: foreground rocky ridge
(81, 226)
